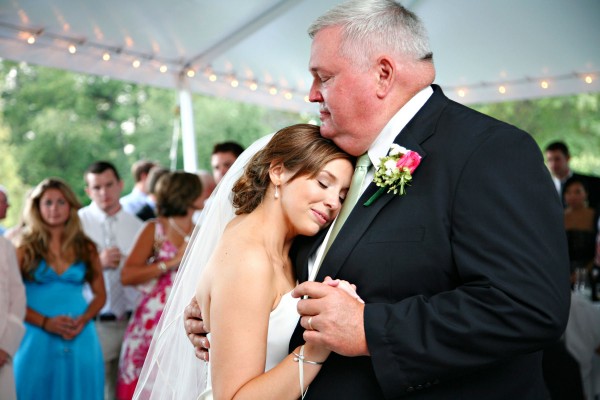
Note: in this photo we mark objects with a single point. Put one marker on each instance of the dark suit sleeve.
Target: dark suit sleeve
(509, 263)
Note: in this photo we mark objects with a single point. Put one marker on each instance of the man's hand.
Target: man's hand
(110, 257)
(194, 328)
(336, 318)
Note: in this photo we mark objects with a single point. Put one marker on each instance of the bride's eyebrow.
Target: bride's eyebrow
(324, 171)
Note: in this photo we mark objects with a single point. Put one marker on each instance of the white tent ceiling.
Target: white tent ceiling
(478, 45)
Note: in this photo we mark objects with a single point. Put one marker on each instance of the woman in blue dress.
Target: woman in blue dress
(60, 356)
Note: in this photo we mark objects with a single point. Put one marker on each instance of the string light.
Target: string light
(58, 40)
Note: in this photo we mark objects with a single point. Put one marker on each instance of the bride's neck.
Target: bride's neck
(276, 233)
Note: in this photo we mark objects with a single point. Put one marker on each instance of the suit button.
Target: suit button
(419, 387)
(427, 384)
(410, 389)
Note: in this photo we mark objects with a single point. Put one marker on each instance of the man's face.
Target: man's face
(221, 162)
(558, 163)
(105, 190)
(3, 205)
(347, 94)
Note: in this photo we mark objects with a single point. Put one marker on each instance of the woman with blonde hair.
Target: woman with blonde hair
(60, 355)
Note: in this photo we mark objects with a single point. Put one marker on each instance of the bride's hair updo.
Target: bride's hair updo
(300, 148)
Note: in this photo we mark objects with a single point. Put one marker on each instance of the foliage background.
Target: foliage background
(55, 123)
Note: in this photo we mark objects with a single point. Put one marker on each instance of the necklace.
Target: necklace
(185, 236)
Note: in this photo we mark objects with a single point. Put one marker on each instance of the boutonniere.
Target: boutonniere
(395, 172)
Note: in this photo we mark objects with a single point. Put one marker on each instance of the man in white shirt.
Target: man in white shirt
(114, 232)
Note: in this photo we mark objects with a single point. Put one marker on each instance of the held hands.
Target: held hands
(110, 257)
(195, 330)
(332, 316)
(64, 326)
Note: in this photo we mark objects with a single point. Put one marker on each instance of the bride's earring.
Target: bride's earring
(276, 192)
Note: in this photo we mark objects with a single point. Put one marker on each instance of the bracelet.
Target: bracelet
(162, 266)
(43, 325)
(300, 358)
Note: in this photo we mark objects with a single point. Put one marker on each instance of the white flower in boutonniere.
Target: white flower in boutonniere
(395, 172)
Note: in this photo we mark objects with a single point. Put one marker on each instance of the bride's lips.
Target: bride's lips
(321, 217)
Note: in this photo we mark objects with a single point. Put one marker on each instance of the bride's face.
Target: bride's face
(313, 203)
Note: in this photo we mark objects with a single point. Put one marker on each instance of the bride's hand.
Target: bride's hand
(344, 285)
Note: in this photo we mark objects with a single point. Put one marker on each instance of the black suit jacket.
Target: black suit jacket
(465, 277)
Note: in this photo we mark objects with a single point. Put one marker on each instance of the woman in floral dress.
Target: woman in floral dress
(152, 265)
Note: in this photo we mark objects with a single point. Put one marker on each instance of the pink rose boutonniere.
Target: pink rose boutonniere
(395, 172)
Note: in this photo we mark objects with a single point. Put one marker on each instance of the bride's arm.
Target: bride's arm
(242, 296)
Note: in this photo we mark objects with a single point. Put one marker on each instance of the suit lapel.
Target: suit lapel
(361, 216)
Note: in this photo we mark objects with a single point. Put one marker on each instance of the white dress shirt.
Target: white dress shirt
(126, 228)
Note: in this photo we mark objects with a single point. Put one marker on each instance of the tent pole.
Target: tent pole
(188, 137)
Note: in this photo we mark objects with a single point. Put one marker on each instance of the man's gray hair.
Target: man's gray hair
(370, 26)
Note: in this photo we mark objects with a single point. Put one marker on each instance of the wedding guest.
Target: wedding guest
(12, 312)
(148, 211)
(135, 201)
(151, 267)
(580, 225)
(464, 273)
(208, 186)
(222, 158)
(557, 158)
(60, 356)
(114, 231)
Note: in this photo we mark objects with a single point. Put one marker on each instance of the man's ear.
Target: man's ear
(386, 70)
(277, 173)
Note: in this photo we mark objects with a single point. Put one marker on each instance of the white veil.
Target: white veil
(171, 369)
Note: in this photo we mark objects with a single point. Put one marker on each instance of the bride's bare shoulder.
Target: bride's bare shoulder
(241, 249)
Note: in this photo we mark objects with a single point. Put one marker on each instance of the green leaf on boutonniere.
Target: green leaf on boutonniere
(395, 172)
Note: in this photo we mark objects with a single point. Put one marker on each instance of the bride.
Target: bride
(293, 186)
